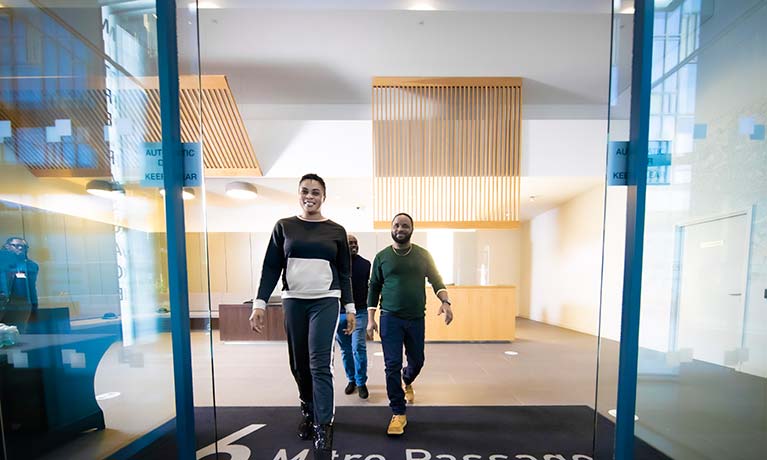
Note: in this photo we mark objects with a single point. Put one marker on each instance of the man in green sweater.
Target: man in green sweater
(397, 279)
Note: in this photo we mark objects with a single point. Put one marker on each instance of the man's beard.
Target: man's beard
(405, 241)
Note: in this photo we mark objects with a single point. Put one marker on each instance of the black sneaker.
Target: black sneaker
(306, 427)
(362, 392)
(323, 442)
(350, 388)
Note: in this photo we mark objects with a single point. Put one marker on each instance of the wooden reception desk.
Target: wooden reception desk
(234, 324)
(482, 314)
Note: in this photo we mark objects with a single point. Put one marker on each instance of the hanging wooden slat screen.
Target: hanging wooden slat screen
(447, 151)
(228, 151)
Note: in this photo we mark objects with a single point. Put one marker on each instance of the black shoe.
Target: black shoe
(350, 388)
(306, 427)
(362, 392)
(323, 441)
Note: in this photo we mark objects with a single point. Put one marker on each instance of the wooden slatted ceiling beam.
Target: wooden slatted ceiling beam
(227, 149)
(446, 150)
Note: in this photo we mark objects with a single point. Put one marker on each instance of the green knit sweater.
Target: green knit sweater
(399, 282)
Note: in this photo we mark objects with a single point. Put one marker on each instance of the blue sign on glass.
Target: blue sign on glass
(659, 163)
(617, 163)
(152, 175)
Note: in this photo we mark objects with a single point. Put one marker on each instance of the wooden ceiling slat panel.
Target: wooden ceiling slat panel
(236, 156)
(239, 129)
(231, 155)
(227, 147)
(446, 150)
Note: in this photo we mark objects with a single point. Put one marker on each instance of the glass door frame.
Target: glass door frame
(173, 170)
(636, 168)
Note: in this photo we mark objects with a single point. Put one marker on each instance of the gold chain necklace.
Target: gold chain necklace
(402, 255)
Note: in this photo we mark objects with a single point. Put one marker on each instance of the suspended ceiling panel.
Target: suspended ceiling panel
(447, 151)
(67, 133)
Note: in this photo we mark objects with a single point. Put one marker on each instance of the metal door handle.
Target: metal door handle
(735, 294)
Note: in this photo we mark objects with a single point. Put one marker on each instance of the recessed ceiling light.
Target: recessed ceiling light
(104, 188)
(241, 190)
(422, 6)
(202, 5)
(510, 353)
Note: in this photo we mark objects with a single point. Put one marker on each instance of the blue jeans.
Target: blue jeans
(354, 349)
(396, 333)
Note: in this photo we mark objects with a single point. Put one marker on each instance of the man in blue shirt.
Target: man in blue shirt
(353, 347)
(18, 283)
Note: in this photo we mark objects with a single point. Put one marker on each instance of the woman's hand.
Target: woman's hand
(257, 319)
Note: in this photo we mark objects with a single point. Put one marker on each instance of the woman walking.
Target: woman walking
(311, 253)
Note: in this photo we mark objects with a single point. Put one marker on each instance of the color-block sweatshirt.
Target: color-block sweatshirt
(314, 261)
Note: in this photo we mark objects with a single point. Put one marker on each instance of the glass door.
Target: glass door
(86, 361)
(702, 363)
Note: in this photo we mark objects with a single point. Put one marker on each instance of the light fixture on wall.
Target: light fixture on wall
(104, 188)
(186, 194)
(241, 190)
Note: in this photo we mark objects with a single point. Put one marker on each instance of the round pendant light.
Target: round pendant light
(104, 188)
(241, 190)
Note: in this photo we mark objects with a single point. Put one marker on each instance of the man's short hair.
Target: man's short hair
(312, 176)
(412, 222)
(8, 241)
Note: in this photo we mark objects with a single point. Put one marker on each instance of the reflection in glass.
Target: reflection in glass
(84, 277)
(702, 362)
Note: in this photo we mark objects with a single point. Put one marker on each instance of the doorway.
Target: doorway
(709, 311)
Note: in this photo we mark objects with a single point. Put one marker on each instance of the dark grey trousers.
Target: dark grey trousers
(311, 326)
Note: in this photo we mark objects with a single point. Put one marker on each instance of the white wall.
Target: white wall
(562, 264)
(236, 262)
(563, 147)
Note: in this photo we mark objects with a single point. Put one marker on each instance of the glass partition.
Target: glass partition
(703, 336)
(86, 360)
(614, 228)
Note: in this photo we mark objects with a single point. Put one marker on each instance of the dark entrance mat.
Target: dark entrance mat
(432, 433)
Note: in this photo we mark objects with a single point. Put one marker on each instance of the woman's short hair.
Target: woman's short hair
(312, 176)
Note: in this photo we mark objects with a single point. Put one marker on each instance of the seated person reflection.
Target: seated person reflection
(18, 283)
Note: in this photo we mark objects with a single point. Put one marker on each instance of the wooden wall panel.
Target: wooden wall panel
(447, 151)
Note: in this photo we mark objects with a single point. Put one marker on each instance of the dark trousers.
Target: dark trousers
(396, 333)
(310, 325)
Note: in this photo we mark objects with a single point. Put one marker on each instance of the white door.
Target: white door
(711, 292)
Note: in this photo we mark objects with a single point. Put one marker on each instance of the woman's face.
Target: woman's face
(310, 196)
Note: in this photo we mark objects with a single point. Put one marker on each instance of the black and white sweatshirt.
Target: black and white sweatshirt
(313, 258)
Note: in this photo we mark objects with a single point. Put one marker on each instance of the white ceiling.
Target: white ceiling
(280, 55)
(328, 56)
(564, 6)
